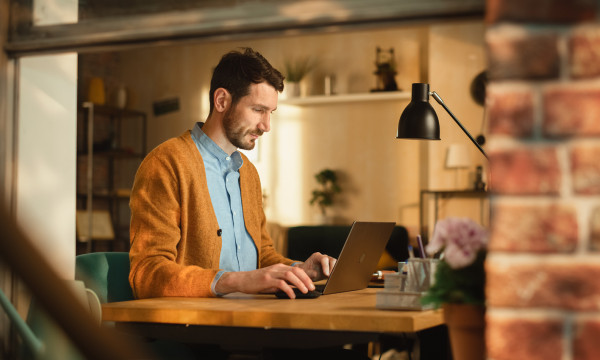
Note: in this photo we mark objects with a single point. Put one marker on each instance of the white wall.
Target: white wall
(355, 138)
(46, 146)
(456, 56)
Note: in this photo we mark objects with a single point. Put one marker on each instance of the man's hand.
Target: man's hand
(265, 280)
(318, 266)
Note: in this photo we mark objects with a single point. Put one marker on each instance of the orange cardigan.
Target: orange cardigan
(175, 249)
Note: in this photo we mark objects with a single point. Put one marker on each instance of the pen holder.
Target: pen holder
(403, 290)
(400, 300)
(394, 281)
(420, 274)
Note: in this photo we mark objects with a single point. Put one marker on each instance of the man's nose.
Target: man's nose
(265, 124)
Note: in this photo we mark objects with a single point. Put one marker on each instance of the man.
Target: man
(197, 224)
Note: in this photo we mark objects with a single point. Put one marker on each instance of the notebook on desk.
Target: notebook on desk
(357, 261)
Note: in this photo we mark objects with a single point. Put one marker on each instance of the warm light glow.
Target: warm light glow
(300, 11)
(287, 132)
(204, 102)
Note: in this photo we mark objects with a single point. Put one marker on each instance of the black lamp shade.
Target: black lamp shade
(419, 120)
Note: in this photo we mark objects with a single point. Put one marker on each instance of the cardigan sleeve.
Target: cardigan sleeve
(158, 268)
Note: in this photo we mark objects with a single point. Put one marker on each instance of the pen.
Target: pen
(401, 269)
(421, 249)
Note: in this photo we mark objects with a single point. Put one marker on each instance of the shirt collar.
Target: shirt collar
(215, 150)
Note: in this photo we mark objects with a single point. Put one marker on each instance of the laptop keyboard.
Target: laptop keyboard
(318, 291)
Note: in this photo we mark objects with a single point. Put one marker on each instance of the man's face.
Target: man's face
(251, 117)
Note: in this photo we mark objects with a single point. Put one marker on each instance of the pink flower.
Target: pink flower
(460, 238)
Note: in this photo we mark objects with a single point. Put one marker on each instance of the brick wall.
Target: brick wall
(543, 270)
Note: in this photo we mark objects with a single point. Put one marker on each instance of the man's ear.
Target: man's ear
(222, 99)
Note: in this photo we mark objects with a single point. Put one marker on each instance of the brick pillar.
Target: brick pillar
(543, 100)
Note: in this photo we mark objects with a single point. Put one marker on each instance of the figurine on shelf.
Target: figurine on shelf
(386, 70)
(479, 184)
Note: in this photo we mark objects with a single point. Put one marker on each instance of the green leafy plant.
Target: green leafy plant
(323, 196)
(460, 275)
(296, 70)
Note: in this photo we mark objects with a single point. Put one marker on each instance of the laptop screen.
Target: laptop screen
(359, 257)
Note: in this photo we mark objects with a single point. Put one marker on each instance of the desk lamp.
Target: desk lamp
(419, 120)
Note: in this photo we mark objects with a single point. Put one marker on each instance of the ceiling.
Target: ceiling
(108, 23)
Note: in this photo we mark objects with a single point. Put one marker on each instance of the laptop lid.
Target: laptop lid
(359, 257)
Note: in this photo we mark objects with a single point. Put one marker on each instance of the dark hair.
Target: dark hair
(237, 70)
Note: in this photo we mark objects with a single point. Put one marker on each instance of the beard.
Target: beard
(236, 133)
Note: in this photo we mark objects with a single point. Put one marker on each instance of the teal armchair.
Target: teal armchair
(106, 273)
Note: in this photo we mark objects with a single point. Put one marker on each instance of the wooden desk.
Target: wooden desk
(343, 318)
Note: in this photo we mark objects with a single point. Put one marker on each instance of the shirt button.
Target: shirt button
(239, 247)
(228, 158)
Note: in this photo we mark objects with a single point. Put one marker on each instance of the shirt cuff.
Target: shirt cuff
(214, 283)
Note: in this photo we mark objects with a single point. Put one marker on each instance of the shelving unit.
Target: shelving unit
(426, 229)
(109, 153)
(345, 98)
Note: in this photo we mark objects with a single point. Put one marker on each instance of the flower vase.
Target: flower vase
(466, 326)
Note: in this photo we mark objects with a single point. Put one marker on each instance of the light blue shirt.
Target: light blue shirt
(238, 251)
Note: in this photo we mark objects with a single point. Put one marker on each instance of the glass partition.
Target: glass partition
(105, 9)
(86, 24)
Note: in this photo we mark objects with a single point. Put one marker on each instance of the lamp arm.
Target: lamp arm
(441, 102)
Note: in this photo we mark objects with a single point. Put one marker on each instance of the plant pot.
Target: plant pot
(466, 326)
(320, 219)
(292, 89)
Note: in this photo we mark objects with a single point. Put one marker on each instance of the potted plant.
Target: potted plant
(328, 187)
(459, 285)
(295, 71)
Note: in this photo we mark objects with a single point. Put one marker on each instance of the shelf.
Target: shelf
(443, 194)
(118, 193)
(449, 193)
(358, 97)
(116, 163)
(117, 154)
(113, 111)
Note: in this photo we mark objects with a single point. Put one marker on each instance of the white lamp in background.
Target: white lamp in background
(457, 157)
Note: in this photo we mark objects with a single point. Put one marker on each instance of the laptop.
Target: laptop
(357, 261)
